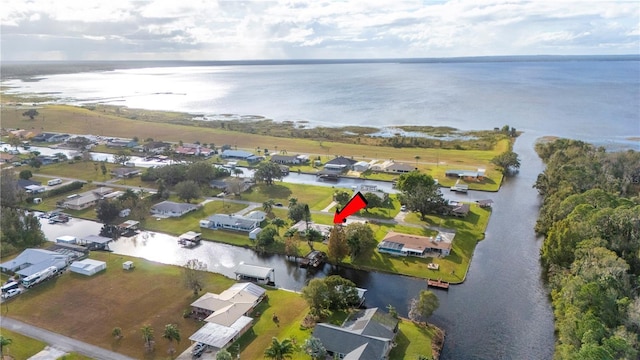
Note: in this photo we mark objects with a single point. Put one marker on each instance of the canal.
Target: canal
(501, 311)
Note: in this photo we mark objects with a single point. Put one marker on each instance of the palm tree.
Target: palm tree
(278, 223)
(171, 332)
(292, 201)
(4, 342)
(290, 232)
(267, 206)
(237, 172)
(223, 355)
(116, 333)
(147, 336)
(279, 350)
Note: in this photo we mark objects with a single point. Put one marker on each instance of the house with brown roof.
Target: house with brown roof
(8, 158)
(415, 245)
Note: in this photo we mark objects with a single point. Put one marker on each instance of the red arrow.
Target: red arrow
(354, 205)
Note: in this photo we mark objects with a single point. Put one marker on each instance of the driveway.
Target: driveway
(61, 342)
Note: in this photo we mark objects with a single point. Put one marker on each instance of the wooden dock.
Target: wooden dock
(438, 283)
(313, 259)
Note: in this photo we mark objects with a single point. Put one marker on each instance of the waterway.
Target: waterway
(501, 311)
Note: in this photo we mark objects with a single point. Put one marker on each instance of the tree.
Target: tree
(278, 223)
(122, 157)
(116, 333)
(423, 306)
(373, 201)
(267, 172)
(299, 211)
(392, 311)
(162, 193)
(237, 172)
(4, 342)
(171, 332)
(107, 211)
(279, 350)
(223, 355)
(9, 195)
(508, 161)
(103, 168)
(266, 237)
(360, 239)
(293, 201)
(342, 197)
(188, 190)
(194, 275)
(420, 193)
(200, 172)
(315, 294)
(342, 293)
(314, 348)
(14, 141)
(267, 206)
(291, 246)
(147, 336)
(19, 230)
(338, 247)
(31, 113)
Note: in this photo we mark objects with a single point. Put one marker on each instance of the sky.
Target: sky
(313, 29)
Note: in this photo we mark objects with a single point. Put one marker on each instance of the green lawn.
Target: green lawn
(317, 197)
(22, 347)
(74, 356)
(413, 340)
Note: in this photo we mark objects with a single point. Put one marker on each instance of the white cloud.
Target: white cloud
(208, 29)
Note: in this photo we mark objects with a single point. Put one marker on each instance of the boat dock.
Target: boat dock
(313, 259)
(189, 239)
(438, 283)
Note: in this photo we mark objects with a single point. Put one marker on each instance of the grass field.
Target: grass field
(406, 347)
(317, 197)
(22, 347)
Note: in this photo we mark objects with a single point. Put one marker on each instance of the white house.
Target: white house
(230, 222)
(361, 166)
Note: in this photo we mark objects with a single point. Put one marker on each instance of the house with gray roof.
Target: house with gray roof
(172, 209)
(230, 222)
(368, 335)
(86, 199)
(32, 261)
(340, 163)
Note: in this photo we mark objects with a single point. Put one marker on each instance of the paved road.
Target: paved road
(61, 342)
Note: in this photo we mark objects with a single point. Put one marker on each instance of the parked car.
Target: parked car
(198, 349)
(403, 208)
(278, 204)
(11, 293)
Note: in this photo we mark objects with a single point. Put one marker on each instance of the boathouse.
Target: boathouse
(258, 274)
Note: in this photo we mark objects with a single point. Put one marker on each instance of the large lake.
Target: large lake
(502, 310)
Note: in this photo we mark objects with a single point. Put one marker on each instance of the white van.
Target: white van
(53, 182)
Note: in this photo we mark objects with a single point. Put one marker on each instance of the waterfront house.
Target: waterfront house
(24, 183)
(339, 163)
(367, 334)
(8, 158)
(172, 209)
(86, 199)
(371, 189)
(467, 175)
(415, 245)
(301, 227)
(230, 222)
(31, 261)
(122, 143)
(226, 314)
(125, 172)
(399, 168)
(290, 159)
(240, 155)
(361, 166)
